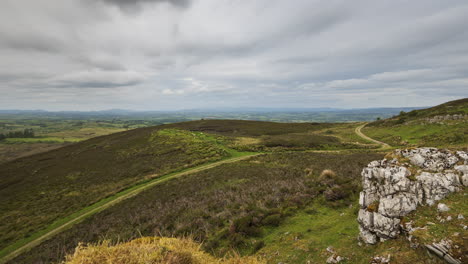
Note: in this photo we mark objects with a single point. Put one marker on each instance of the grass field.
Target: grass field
(307, 235)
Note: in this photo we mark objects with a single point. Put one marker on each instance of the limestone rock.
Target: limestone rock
(391, 191)
(442, 249)
(442, 207)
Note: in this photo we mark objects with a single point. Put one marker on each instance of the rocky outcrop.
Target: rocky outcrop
(441, 118)
(394, 187)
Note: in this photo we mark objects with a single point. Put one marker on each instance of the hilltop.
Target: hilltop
(444, 125)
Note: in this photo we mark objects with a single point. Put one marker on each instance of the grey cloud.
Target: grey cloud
(36, 42)
(134, 6)
(173, 54)
(97, 79)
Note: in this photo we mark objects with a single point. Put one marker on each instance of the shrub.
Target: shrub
(327, 177)
(334, 193)
(272, 220)
(258, 245)
(245, 226)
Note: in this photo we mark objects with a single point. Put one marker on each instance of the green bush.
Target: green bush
(272, 220)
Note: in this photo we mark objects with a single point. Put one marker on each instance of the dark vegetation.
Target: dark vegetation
(227, 207)
(270, 136)
(36, 190)
(26, 133)
(239, 128)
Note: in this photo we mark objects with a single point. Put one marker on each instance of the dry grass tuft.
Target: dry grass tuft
(327, 177)
(157, 250)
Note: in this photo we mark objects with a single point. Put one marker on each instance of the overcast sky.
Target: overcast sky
(182, 54)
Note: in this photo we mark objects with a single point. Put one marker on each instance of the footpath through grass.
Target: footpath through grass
(62, 224)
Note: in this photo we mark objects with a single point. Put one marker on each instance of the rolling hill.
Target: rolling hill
(38, 190)
(288, 203)
(444, 125)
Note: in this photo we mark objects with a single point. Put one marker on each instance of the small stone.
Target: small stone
(460, 216)
(449, 218)
(441, 207)
(335, 259)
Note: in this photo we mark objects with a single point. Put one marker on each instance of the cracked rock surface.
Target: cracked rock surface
(392, 188)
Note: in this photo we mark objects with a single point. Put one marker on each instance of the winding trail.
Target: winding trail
(359, 133)
(24, 245)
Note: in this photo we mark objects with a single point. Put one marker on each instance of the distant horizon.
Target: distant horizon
(227, 109)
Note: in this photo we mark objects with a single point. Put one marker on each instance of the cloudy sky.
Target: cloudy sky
(182, 54)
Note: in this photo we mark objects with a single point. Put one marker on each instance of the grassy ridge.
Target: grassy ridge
(415, 129)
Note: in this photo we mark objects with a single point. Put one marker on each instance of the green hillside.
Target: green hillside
(287, 204)
(445, 125)
(231, 207)
(40, 189)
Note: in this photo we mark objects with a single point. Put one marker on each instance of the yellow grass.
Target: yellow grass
(151, 250)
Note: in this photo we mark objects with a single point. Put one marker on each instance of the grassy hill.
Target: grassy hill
(40, 189)
(445, 125)
(231, 207)
(287, 205)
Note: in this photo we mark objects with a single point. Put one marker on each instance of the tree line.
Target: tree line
(26, 133)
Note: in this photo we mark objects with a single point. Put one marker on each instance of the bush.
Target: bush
(245, 226)
(334, 193)
(258, 245)
(327, 177)
(272, 220)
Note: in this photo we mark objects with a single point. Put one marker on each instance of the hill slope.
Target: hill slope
(40, 189)
(444, 125)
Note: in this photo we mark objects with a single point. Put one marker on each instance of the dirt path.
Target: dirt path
(118, 197)
(359, 133)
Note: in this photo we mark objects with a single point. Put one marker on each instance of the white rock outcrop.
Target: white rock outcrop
(393, 188)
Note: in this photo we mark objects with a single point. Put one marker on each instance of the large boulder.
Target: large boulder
(394, 188)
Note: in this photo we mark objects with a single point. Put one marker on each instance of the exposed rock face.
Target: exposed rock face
(391, 190)
(441, 118)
